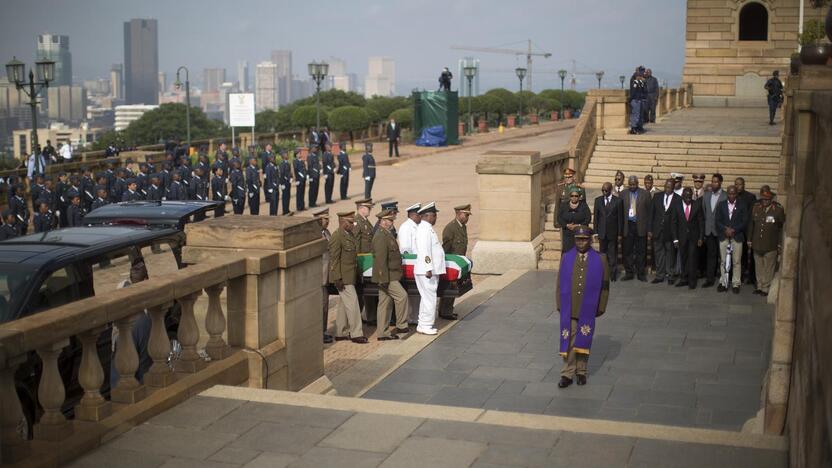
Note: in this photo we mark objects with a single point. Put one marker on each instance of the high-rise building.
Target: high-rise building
(141, 61)
(212, 78)
(463, 82)
(56, 48)
(381, 77)
(117, 81)
(163, 82)
(338, 77)
(242, 76)
(266, 92)
(67, 104)
(282, 59)
(130, 113)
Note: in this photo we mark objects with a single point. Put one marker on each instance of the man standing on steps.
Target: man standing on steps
(774, 87)
(663, 206)
(582, 291)
(709, 203)
(407, 245)
(609, 225)
(653, 90)
(749, 199)
(343, 273)
(430, 265)
(454, 242)
(387, 272)
(637, 213)
(619, 186)
(638, 96)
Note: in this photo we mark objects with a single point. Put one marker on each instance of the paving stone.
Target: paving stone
(670, 415)
(502, 455)
(287, 438)
(372, 433)
(473, 382)
(591, 450)
(170, 441)
(190, 463)
(457, 396)
(319, 457)
(374, 394)
(487, 433)
(286, 414)
(234, 455)
(196, 412)
(509, 373)
(527, 404)
(271, 460)
(104, 456)
(419, 452)
(429, 376)
(657, 453)
(407, 387)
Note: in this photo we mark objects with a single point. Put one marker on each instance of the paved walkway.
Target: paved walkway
(718, 121)
(661, 355)
(234, 427)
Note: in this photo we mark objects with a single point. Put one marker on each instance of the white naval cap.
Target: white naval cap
(428, 208)
(414, 207)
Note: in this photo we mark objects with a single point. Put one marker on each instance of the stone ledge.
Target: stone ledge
(497, 257)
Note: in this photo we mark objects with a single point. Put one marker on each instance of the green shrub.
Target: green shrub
(306, 116)
(403, 117)
(349, 118)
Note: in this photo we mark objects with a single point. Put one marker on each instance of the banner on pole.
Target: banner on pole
(241, 109)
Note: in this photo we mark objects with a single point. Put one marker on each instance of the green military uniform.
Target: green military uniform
(387, 273)
(764, 235)
(343, 266)
(363, 232)
(454, 242)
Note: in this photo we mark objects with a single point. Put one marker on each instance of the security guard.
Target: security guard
(329, 173)
(344, 168)
(284, 180)
(387, 272)
(343, 273)
(253, 186)
(454, 242)
(313, 169)
(767, 219)
(300, 180)
(698, 186)
(568, 185)
(369, 173)
(323, 217)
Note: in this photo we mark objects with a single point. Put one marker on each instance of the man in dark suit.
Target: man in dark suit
(709, 204)
(661, 211)
(637, 216)
(608, 224)
(687, 227)
(393, 135)
(731, 222)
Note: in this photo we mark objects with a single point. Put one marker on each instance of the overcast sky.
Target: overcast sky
(600, 34)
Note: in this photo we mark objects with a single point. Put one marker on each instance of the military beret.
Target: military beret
(365, 202)
(428, 208)
(463, 208)
(386, 214)
(583, 232)
(414, 207)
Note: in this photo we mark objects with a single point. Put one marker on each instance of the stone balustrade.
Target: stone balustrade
(261, 306)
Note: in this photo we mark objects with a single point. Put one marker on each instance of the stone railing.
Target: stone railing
(265, 331)
(514, 188)
(798, 391)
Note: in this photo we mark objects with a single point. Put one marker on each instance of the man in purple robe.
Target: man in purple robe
(583, 287)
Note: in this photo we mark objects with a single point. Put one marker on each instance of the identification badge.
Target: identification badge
(632, 212)
(769, 219)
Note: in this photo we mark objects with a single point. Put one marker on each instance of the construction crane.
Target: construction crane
(528, 53)
(579, 71)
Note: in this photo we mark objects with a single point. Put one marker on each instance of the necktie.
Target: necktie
(687, 212)
(606, 201)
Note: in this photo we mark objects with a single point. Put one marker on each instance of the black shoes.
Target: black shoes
(388, 338)
(627, 277)
(403, 330)
(657, 281)
(581, 379)
(736, 289)
(360, 340)
(721, 288)
(708, 284)
(451, 316)
(670, 282)
(642, 278)
(327, 339)
(341, 338)
(681, 284)
(564, 382)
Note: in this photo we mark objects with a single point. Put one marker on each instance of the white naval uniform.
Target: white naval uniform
(407, 244)
(430, 256)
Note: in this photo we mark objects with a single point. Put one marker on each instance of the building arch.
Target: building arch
(753, 22)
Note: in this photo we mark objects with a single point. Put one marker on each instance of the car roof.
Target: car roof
(152, 213)
(65, 244)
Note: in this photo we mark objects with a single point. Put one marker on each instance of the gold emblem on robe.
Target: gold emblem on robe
(585, 330)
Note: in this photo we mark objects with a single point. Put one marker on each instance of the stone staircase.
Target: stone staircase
(756, 158)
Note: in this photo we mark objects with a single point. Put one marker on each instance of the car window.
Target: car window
(159, 260)
(12, 288)
(59, 288)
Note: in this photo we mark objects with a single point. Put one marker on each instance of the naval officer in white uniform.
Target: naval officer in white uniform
(407, 244)
(430, 264)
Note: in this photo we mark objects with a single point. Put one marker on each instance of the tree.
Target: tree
(384, 106)
(334, 98)
(403, 117)
(167, 122)
(524, 98)
(266, 121)
(349, 119)
(306, 116)
(509, 103)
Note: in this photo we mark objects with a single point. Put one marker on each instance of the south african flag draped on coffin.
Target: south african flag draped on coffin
(456, 266)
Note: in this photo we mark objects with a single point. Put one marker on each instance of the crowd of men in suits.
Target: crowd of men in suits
(242, 180)
(692, 232)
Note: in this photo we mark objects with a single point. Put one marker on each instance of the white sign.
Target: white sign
(241, 109)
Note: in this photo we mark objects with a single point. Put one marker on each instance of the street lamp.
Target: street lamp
(521, 73)
(16, 72)
(318, 72)
(470, 73)
(600, 76)
(621, 78)
(178, 85)
(562, 75)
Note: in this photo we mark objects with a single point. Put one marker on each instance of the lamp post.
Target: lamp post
(318, 72)
(521, 73)
(44, 72)
(470, 73)
(562, 75)
(621, 78)
(178, 85)
(600, 76)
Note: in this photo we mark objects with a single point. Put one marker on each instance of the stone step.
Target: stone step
(551, 255)
(773, 152)
(620, 134)
(547, 264)
(682, 157)
(667, 169)
(690, 145)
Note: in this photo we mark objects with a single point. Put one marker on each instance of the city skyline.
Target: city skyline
(96, 31)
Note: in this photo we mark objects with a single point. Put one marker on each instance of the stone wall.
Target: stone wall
(725, 71)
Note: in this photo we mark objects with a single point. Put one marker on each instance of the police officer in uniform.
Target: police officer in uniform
(18, 208)
(253, 186)
(219, 190)
(387, 272)
(328, 163)
(238, 189)
(344, 168)
(343, 273)
(8, 230)
(154, 189)
(43, 220)
(454, 242)
(767, 219)
(774, 87)
(323, 217)
(301, 177)
(284, 174)
(75, 212)
(130, 194)
(369, 173)
(270, 184)
(313, 169)
(178, 191)
(100, 198)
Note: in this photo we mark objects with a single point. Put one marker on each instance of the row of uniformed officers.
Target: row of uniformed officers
(356, 235)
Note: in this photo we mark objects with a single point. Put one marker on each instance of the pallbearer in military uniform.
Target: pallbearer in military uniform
(343, 273)
(407, 245)
(329, 173)
(767, 219)
(369, 173)
(364, 236)
(238, 188)
(430, 265)
(300, 180)
(393, 206)
(387, 272)
(582, 292)
(313, 169)
(253, 186)
(323, 217)
(454, 242)
(284, 180)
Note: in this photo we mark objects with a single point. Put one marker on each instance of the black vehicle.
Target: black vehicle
(46, 270)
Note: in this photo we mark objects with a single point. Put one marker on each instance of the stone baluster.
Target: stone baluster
(188, 336)
(13, 447)
(53, 425)
(93, 407)
(128, 389)
(160, 374)
(215, 323)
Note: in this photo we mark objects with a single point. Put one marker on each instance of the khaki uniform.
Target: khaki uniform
(454, 242)
(343, 250)
(575, 363)
(387, 270)
(764, 235)
(363, 232)
(325, 280)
